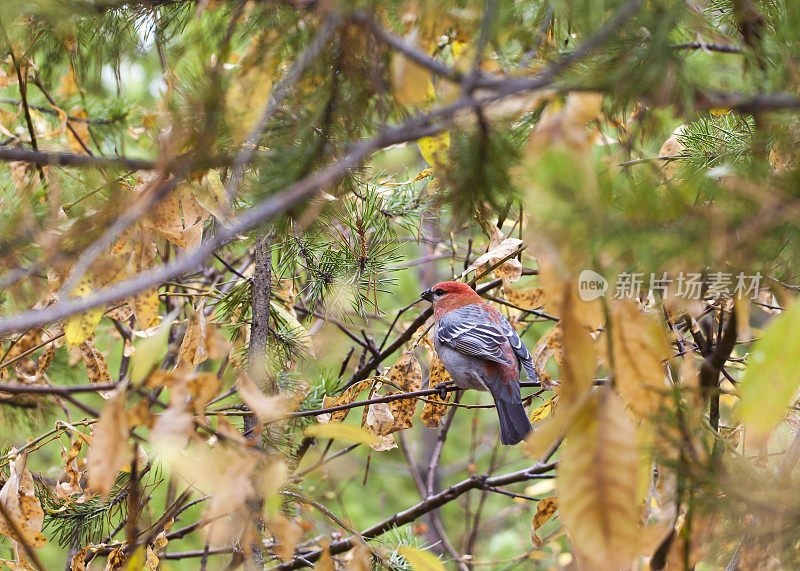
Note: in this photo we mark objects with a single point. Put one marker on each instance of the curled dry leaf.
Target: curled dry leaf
(499, 248)
(69, 484)
(96, 367)
(346, 397)
(549, 345)
(110, 449)
(432, 412)
(544, 511)
(406, 374)
(597, 483)
(380, 421)
(22, 505)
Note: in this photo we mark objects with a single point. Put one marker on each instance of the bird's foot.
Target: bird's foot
(442, 388)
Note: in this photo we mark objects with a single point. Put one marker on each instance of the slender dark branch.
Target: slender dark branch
(47, 158)
(721, 48)
(445, 496)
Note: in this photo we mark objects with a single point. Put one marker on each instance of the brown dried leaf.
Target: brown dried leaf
(287, 533)
(346, 397)
(193, 347)
(528, 298)
(110, 449)
(96, 367)
(81, 128)
(544, 511)
(165, 220)
(22, 505)
(407, 374)
(432, 412)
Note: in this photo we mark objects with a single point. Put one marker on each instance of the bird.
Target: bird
(480, 350)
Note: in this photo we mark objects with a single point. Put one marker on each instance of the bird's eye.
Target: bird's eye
(438, 292)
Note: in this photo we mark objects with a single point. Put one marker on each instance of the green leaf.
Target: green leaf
(771, 380)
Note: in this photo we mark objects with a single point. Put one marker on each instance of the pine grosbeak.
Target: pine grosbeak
(480, 350)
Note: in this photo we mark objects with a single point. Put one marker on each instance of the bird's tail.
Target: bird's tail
(514, 423)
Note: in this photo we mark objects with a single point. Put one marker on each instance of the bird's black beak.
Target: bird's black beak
(427, 295)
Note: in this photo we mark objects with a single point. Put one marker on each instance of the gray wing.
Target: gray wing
(468, 331)
(521, 351)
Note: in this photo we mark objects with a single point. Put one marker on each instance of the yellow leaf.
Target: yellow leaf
(210, 194)
(110, 449)
(434, 149)
(580, 359)
(341, 431)
(145, 308)
(639, 347)
(597, 481)
(78, 328)
(541, 412)
(544, 511)
(770, 382)
(411, 82)
(420, 560)
(529, 298)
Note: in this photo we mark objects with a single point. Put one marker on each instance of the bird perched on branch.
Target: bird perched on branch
(480, 350)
